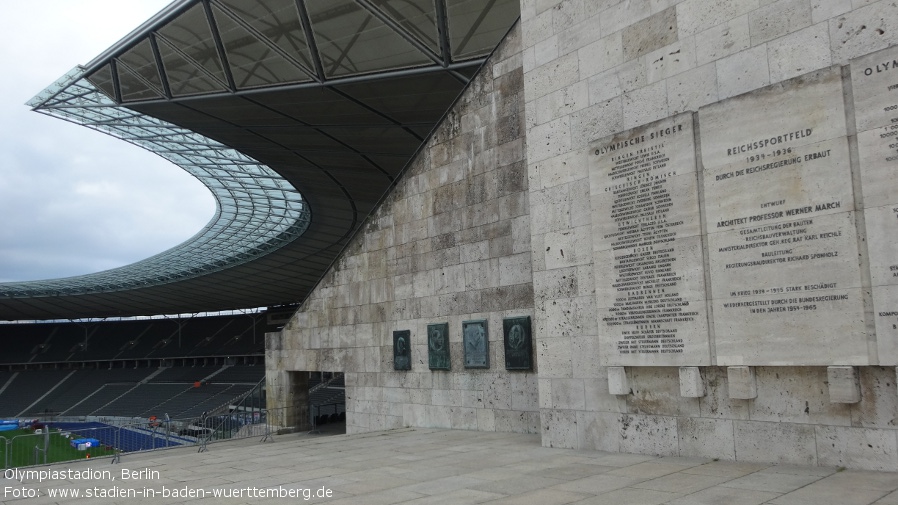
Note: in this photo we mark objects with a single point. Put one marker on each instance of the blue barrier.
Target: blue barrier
(84, 443)
(123, 439)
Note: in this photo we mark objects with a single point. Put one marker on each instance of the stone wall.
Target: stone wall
(594, 70)
(450, 243)
(513, 208)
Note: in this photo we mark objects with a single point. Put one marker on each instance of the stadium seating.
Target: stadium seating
(241, 374)
(226, 336)
(101, 397)
(82, 384)
(26, 388)
(135, 368)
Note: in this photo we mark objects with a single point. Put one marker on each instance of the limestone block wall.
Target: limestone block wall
(450, 243)
(593, 69)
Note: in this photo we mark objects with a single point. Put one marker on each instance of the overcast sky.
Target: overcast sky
(73, 200)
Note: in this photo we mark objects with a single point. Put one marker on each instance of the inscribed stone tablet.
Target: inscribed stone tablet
(518, 347)
(885, 306)
(402, 358)
(647, 249)
(438, 346)
(475, 339)
(874, 83)
(874, 80)
(782, 239)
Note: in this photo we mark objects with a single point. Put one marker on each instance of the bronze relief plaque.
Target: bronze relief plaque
(518, 346)
(402, 355)
(475, 340)
(438, 346)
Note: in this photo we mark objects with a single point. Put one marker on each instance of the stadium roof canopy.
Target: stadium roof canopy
(298, 115)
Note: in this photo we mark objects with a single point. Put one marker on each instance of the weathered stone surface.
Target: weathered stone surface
(811, 101)
(778, 19)
(784, 257)
(743, 71)
(857, 448)
(691, 384)
(726, 48)
(885, 315)
(741, 382)
(798, 53)
(785, 443)
(796, 395)
(871, 77)
(874, 81)
(863, 30)
(650, 280)
(648, 434)
(843, 384)
(451, 243)
(653, 32)
(617, 381)
(722, 40)
(706, 438)
(877, 160)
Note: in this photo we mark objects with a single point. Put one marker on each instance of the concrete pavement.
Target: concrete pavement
(429, 466)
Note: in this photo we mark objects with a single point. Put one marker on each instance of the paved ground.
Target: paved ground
(422, 466)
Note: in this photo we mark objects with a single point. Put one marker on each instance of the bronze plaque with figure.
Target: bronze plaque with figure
(402, 356)
(476, 344)
(438, 346)
(518, 349)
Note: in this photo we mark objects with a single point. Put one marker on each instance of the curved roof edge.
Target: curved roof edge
(258, 211)
(336, 97)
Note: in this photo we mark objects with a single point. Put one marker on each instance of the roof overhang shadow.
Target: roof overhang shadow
(262, 101)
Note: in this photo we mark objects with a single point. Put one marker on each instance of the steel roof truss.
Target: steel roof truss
(400, 30)
(310, 40)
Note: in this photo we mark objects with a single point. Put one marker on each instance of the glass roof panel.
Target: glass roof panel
(416, 16)
(185, 78)
(352, 41)
(252, 62)
(238, 233)
(102, 79)
(133, 87)
(190, 34)
(477, 26)
(140, 59)
(277, 20)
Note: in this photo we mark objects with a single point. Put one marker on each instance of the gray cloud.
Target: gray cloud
(75, 201)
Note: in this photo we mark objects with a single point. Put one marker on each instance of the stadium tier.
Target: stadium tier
(130, 368)
(178, 391)
(57, 342)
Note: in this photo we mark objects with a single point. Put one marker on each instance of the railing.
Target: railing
(228, 420)
(60, 442)
(251, 400)
(326, 383)
(334, 409)
(47, 445)
(327, 405)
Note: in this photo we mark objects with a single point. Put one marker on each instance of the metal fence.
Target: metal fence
(68, 441)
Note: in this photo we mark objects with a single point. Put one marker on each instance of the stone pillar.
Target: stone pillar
(297, 401)
(288, 399)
